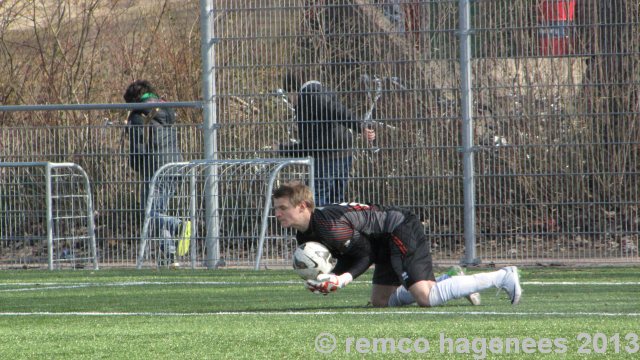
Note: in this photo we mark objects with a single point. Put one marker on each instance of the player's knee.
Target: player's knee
(379, 302)
(421, 291)
(422, 299)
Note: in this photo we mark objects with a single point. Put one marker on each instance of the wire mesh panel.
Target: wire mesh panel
(556, 132)
(218, 213)
(46, 216)
(553, 117)
(376, 57)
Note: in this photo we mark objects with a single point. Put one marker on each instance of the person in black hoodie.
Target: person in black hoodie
(153, 142)
(325, 132)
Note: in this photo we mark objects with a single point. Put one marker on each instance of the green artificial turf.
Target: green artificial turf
(236, 314)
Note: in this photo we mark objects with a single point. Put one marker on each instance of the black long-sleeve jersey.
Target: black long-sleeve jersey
(357, 235)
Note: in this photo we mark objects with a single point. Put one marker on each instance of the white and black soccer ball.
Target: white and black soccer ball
(311, 259)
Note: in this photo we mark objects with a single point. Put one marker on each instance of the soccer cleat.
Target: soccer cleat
(511, 284)
(173, 264)
(456, 270)
(474, 299)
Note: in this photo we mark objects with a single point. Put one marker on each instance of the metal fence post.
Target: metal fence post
(49, 202)
(207, 43)
(466, 100)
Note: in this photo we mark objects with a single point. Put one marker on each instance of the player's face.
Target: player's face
(288, 215)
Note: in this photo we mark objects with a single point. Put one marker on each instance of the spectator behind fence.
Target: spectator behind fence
(153, 142)
(325, 133)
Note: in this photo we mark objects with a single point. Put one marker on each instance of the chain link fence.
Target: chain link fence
(556, 100)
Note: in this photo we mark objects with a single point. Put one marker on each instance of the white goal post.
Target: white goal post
(216, 213)
(46, 208)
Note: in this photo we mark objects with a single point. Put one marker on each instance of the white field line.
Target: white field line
(578, 283)
(58, 286)
(54, 286)
(317, 313)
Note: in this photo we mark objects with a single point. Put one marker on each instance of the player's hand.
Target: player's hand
(327, 283)
(369, 134)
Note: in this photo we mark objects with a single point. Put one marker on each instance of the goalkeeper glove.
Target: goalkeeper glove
(326, 283)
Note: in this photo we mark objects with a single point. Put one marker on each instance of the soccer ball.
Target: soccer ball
(311, 259)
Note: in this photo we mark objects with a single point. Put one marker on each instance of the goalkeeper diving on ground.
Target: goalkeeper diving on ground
(392, 239)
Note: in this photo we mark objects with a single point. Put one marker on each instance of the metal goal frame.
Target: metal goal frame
(226, 205)
(68, 211)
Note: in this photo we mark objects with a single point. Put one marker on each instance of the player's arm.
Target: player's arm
(338, 111)
(136, 141)
(354, 259)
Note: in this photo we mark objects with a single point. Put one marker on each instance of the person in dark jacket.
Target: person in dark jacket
(392, 238)
(325, 133)
(153, 142)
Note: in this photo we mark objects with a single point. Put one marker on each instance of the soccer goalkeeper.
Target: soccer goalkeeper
(391, 238)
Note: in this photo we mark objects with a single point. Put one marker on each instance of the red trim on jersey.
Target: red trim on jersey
(359, 207)
(336, 230)
(399, 244)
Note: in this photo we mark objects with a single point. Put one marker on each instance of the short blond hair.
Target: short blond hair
(297, 192)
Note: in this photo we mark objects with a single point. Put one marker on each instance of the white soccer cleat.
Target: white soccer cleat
(511, 284)
(474, 299)
(456, 270)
